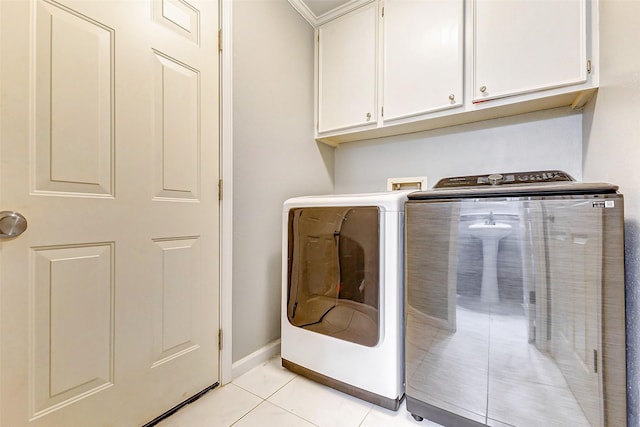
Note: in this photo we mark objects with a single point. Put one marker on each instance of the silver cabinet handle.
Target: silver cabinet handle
(483, 89)
(12, 224)
(368, 116)
(452, 97)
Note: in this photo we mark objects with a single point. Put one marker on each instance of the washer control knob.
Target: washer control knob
(495, 179)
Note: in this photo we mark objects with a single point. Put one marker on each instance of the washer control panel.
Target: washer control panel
(537, 177)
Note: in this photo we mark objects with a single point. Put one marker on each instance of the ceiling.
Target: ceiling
(317, 12)
(320, 7)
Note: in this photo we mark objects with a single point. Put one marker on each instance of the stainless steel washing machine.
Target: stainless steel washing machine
(515, 308)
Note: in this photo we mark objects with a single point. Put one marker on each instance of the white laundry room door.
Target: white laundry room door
(109, 300)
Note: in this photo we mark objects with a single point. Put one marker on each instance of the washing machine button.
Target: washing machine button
(495, 179)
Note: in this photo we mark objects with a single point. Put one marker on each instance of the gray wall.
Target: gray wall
(274, 156)
(612, 153)
(549, 139)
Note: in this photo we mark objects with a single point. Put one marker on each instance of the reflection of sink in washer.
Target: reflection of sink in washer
(490, 231)
(490, 234)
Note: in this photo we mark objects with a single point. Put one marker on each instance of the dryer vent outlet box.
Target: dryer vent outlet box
(415, 183)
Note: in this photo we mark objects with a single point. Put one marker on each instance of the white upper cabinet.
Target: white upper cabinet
(347, 73)
(527, 45)
(423, 57)
(399, 66)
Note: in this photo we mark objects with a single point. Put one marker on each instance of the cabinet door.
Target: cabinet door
(347, 75)
(423, 56)
(527, 45)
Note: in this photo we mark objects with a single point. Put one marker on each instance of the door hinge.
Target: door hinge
(383, 11)
(595, 361)
(589, 66)
(220, 339)
(220, 40)
(382, 111)
(219, 189)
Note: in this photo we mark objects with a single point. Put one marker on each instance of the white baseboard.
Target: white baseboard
(256, 358)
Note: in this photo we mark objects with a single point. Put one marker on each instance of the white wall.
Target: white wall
(275, 156)
(549, 139)
(612, 153)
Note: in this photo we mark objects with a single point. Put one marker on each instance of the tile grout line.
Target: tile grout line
(249, 411)
(263, 400)
(285, 409)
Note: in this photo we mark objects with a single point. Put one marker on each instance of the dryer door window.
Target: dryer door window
(333, 274)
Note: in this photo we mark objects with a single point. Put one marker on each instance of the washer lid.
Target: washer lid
(512, 184)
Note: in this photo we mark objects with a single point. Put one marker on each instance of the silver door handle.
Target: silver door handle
(12, 224)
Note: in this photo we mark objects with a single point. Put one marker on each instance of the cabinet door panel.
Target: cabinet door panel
(423, 56)
(527, 45)
(347, 75)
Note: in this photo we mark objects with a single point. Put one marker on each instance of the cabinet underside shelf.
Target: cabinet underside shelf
(574, 100)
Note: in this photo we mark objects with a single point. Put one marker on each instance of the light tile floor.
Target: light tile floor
(271, 396)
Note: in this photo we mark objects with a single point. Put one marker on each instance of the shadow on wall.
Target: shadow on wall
(274, 295)
(327, 154)
(632, 280)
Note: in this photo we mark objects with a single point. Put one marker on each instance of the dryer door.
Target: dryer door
(333, 281)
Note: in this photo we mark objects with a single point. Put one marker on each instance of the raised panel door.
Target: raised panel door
(109, 148)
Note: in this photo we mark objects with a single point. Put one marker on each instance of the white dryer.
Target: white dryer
(342, 293)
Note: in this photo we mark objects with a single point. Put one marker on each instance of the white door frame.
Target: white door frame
(226, 205)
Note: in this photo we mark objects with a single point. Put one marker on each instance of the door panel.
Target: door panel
(179, 16)
(109, 147)
(176, 306)
(177, 88)
(72, 86)
(73, 343)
